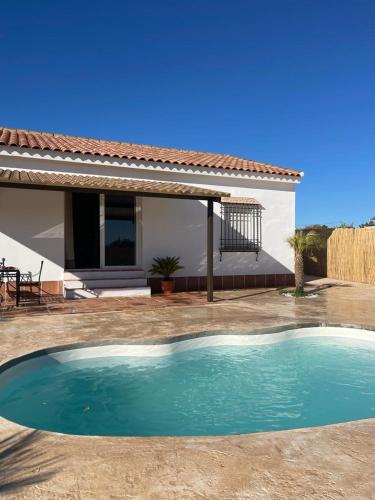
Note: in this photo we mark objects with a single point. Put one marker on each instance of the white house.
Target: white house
(98, 212)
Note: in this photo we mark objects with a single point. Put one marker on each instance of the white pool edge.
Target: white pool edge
(178, 346)
(157, 350)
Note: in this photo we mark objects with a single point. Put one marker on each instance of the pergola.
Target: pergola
(53, 181)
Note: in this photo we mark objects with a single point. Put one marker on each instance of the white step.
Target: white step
(103, 274)
(105, 283)
(108, 292)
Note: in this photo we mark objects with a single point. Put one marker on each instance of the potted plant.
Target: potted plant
(166, 266)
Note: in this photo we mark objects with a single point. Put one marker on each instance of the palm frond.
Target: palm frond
(165, 266)
(305, 242)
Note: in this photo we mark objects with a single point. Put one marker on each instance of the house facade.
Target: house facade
(98, 212)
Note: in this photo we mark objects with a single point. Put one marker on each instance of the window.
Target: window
(240, 225)
(119, 229)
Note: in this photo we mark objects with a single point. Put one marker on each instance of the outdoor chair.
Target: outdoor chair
(26, 280)
(3, 290)
(2, 286)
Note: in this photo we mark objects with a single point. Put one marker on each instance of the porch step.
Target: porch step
(105, 283)
(144, 291)
(96, 283)
(99, 274)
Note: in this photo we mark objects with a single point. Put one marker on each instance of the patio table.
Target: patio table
(12, 272)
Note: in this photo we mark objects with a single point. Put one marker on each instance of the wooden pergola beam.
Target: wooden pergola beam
(210, 214)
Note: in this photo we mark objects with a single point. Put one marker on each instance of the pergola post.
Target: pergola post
(210, 250)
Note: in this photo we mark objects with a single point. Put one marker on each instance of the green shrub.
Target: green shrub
(165, 266)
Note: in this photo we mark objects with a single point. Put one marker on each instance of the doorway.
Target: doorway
(100, 230)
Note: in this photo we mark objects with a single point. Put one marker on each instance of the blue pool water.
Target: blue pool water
(209, 391)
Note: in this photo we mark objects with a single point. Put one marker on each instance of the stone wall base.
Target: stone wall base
(49, 289)
(183, 284)
(195, 283)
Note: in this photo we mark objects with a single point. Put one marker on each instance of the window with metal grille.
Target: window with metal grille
(241, 229)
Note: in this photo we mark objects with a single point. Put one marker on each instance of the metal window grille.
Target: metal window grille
(241, 229)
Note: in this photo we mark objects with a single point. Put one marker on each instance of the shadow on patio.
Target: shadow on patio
(23, 462)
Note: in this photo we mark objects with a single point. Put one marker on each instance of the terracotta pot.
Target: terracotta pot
(167, 286)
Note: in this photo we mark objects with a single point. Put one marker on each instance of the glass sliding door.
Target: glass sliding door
(119, 230)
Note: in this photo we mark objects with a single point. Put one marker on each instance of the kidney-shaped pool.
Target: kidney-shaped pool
(210, 385)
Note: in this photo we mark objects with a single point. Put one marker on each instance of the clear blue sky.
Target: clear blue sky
(286, 82)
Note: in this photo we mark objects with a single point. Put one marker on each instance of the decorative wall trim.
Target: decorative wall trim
(231, 282)
(183, 284)
(30, 154)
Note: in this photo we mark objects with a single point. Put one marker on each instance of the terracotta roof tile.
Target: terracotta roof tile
(104, 183)
(68, 144)
(233, 200)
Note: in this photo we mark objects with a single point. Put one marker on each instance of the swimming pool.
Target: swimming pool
(213, 384)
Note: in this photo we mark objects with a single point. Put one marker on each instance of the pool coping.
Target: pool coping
(177, 338)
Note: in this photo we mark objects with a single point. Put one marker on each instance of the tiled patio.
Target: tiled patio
(51, 305)
(108, 304)
(324, 463)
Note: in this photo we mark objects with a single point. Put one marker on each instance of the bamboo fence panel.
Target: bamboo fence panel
(318, 267)
(351, 255)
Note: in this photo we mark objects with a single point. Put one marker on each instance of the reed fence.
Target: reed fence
(351, 255)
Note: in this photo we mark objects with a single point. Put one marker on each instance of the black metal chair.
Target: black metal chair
(3, 286)
(26, 280)
(2, 289)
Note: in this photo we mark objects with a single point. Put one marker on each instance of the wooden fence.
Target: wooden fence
(347, 254)
(351, 255)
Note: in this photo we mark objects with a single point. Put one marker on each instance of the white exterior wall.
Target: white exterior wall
(178, 227)
(33, 226)
(31, 230)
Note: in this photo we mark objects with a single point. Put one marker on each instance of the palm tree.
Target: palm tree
(303, 244)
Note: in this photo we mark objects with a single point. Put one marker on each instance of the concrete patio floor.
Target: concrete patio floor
(329, 462)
